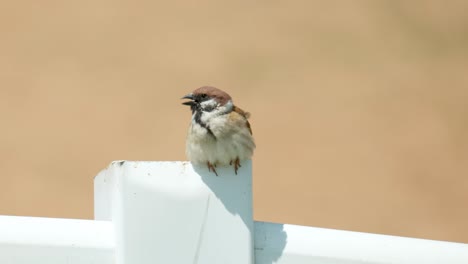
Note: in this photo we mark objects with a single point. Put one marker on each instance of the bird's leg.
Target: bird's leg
(211, 167)
(237, 165)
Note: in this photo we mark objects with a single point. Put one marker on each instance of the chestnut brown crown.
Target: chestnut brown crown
(212, 92)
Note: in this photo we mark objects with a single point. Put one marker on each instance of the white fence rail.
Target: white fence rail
(171, 212)
(28, 240)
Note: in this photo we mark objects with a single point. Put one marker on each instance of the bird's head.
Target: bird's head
(207, 99)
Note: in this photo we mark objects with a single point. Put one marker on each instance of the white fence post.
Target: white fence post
(171, 212)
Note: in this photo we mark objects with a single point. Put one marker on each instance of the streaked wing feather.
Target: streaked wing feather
(245, 114)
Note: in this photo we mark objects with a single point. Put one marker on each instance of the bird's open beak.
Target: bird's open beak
(190, 97)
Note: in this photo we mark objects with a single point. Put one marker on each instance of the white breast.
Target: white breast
(230, 141)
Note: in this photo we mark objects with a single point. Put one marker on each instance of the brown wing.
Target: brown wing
(246, 115)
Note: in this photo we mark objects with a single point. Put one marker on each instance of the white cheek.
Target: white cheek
(209, 104)
(211, 117)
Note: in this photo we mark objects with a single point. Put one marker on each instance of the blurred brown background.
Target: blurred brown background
(358, 107)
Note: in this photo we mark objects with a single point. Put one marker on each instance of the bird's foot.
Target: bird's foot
(211, 167)
(236, 164)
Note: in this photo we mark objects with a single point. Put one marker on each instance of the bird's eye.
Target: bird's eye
(203, 96)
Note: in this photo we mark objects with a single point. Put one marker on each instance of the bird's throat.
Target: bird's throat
(197, 118)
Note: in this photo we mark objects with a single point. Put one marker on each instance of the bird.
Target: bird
(219, 133)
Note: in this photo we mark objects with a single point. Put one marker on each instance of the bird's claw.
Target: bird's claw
(237, 165)
(212, 167)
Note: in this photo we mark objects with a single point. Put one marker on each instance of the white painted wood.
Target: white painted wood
(171, 212)
(34, 240)
(291, 244)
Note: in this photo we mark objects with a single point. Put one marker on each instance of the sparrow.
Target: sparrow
(219, 133)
